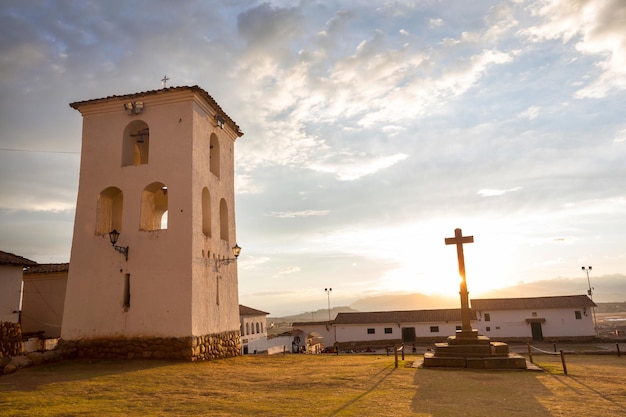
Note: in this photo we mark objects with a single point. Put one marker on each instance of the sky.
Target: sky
(373, 129)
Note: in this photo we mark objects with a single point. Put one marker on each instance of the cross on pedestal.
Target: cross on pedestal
(459, 240)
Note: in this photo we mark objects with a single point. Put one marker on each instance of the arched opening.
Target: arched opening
(154, 203)
(206, 212)
(109, 210)
(214, 155)
(223, 220)
(136, 143)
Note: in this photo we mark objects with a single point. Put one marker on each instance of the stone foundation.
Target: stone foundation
(11, 339)
(469, 350)
(191, 348)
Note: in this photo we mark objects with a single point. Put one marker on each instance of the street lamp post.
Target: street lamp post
(328, 291)
(590, 293)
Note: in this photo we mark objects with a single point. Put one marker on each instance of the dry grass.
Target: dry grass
(322, 385)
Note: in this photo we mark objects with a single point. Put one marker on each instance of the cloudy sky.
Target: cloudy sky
(373, 129)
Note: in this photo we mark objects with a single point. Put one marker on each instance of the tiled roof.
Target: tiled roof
(411, 316)
(565, 301)
(76, 105)
(47, 268)
(249, 311)
(7, 258)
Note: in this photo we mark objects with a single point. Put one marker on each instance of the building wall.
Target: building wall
(558, 323)
(359, 332)
(10, 292)
(326, 331)
(42, 304)
(175, 290)
(253, 334)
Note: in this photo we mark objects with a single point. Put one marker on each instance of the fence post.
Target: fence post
(554, 347)
(563, 362)
(395, 351)
(618, 352)
(402, 347)
(530, 353)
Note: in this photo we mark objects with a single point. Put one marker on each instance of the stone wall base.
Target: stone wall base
(11, 339)
(190, 348)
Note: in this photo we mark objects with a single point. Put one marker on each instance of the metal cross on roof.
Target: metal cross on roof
(164, 81)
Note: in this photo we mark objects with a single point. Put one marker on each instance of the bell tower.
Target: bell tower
(152, 268)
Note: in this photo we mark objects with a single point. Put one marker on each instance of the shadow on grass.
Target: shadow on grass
(381, 376)
(31, 378)
(445, 392)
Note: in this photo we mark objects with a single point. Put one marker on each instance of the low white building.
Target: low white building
(11, 275)
(535, 318)
(524, 319)
(253, 330)
(43, 299)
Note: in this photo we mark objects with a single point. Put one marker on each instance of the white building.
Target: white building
(253, 328)
(524, 319)
(43, 299)
(157, 167)
(536, 318)
(11, 275)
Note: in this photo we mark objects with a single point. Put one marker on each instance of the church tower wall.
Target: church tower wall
(158, 167)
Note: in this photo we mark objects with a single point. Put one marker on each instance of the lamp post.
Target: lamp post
(590, 293)
(328, 291)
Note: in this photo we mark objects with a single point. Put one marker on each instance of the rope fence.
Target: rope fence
(545, 352)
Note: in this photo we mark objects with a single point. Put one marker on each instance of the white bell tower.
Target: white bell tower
(152, 269)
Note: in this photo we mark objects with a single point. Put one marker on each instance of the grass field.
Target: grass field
(314, 385)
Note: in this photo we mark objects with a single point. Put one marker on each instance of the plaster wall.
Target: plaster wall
(352, 333)
(558, 323)
(42, 304)
(170, 272)
(10, 292)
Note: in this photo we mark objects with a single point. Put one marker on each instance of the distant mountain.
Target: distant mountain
(318, 315)
(399, 302)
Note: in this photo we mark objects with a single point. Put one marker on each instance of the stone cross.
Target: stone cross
(459, 240)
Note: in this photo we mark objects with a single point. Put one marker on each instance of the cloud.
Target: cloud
(530, 113)
(289, 270)
(490, 192)
(295, 214)
(353, 167)
(598, 29)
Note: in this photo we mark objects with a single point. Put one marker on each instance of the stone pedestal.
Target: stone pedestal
(469, 350)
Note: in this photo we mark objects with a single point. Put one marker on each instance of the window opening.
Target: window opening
(126, 300)
(136, 144)
(487, 317)
(371, 331)
(109, 210)
(388, 330)
(154, 202)
(578, 315)
(223, 220)
(434, 329)
(206, 212)
(214, 155)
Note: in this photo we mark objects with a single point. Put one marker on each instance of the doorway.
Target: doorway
(537, 332)
(408, 334)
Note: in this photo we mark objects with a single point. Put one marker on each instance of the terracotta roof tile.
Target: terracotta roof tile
(7, 258)
(76, 105)
(249, 311)
(47, 268)
(411, 316)
(565, 301)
